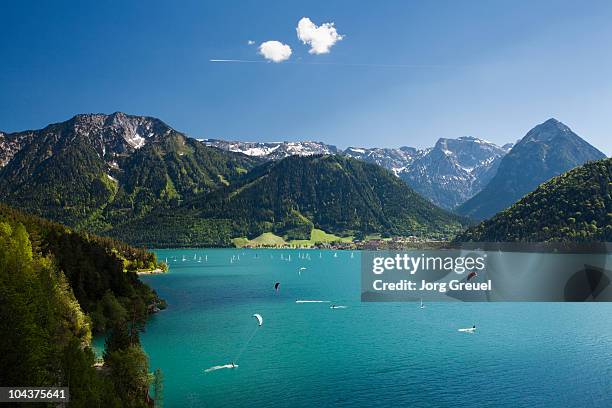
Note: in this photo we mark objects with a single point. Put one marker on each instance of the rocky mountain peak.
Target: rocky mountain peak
(453, 170)
(547, 150)
(119, 130)
(549, 130)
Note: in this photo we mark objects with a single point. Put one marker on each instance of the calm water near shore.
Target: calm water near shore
(375, 354)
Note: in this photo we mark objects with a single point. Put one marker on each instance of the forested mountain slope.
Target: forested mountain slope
(575, 206)
(291, 197)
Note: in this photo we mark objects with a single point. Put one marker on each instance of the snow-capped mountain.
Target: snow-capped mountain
(396, 160)
(119, 133)
(273, 150)
(389, 158)
(448, 174)
(110, 135)
(453, 170)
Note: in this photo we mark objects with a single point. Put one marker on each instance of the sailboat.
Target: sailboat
(422, 305)
(183, 258)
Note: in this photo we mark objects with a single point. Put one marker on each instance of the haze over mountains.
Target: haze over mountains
(120, 174)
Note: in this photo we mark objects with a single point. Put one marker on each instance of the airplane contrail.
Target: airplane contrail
(235, 60)
(328, 63)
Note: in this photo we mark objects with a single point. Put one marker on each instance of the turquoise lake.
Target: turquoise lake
(368, 354)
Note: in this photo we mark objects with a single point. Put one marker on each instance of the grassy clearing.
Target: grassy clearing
(265, 239)
(318, 235)
(272, 240)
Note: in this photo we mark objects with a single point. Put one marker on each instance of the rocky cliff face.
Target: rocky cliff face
(453, 170)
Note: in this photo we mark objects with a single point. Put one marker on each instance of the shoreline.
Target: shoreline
(151, 272)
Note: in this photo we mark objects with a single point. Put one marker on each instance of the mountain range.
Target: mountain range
(546, 151)
(460, 174)
(136, 178)
(272, 150)
(454, 169)
(109, 173)
(447, 174)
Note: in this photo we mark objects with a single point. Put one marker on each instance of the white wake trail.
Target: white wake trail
(220, 367)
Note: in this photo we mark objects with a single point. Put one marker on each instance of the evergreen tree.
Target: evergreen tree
(158, 388)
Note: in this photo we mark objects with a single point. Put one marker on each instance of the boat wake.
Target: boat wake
(220, 367)
(468, 330)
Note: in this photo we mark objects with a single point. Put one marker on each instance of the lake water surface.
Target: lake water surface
(369, 354)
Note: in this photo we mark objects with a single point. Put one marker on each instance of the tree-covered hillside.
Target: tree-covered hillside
(94, 171)
(57, 287)
(575, 206)
(291, 197)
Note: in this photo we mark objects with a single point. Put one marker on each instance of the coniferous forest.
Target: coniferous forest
(573, 207)
(57, 289)
(340, 195)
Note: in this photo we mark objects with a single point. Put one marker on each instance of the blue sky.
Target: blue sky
(405, 72)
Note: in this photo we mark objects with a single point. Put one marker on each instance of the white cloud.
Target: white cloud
(320, 38)
(250, 42)
(275, 51)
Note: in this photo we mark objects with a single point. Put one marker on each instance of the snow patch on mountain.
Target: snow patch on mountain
(453, 170)
(394, 159)
(448, 174)
(272, 150)
(136, 141)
